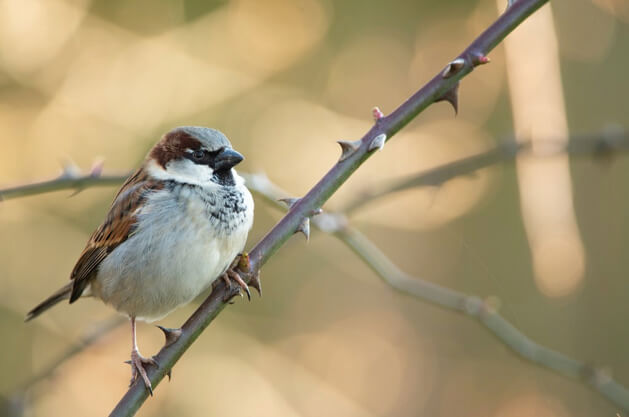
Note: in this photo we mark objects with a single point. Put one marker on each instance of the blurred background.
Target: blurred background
(86, 81)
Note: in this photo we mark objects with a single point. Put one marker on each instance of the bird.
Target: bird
(177, 224)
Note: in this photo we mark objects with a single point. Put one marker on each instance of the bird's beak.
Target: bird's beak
(227, 159)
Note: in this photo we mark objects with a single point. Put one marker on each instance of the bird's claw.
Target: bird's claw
(138, 362)
(233, 290)
(239, 265)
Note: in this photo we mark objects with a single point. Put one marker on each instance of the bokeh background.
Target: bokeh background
(85, 81)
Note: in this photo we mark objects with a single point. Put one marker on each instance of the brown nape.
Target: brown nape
(173, 146)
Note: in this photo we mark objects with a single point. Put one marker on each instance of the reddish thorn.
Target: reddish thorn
(97, 168)
(480, 59)
(377, 113)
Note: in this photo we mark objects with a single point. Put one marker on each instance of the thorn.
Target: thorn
(377, 143)
(97, 168)
(169, 374)
(289, 201)
(171, 335)
(304, 227)
(348, 148)
(478, 58)
(315, 212)
(70, 170)
(254, 282)
(452, 97)
(453, 67)
(377, 113)
(76, 191)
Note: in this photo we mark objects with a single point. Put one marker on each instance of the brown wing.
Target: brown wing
(116, 228)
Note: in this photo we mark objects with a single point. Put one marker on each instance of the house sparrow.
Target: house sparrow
(174, 227)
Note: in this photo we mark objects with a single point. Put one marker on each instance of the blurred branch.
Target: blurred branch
(70, 179)
(442, 86)
(91, 337)
(473, 306)
(482, 311)
(16, 400)
(601, 144)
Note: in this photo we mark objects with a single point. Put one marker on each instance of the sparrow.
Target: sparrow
(178, 223)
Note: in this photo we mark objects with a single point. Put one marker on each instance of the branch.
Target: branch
(88, 340)
(70, 179)
(304, 208)
(482, 311)
(336, 224)
(597, 144)
(601, 144)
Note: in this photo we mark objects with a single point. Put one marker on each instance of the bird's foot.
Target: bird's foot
(239, 266)
(138, 362)
(233, 275)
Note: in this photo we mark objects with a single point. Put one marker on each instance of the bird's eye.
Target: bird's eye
(198, 154)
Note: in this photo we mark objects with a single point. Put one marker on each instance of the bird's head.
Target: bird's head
(195, 155)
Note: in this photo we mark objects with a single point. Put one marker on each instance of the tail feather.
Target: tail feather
(61, 294)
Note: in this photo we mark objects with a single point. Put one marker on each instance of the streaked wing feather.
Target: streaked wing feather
(116, 228)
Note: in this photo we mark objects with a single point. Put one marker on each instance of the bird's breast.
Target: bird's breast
(186, 237)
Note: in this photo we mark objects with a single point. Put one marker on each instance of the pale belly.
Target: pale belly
(168, 261)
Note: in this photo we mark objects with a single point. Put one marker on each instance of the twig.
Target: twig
(88, 340)
(482, 311)
(63, 182)
(383, 129)
(473, 306)
(602, 144)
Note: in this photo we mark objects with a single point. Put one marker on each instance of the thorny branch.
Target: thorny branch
(444, 86)
(487, 315)
(603, 145)
(337, 225)
(473, 306)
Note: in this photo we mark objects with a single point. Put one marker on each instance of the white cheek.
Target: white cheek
(182, 170)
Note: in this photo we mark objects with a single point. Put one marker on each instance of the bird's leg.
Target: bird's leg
(138, 362)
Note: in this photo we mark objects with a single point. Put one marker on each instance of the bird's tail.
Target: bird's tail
(61, 294)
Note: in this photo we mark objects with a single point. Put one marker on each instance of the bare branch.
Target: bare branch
(320, 193)
(336, 224)
(482, 311)
(92, 337)
(601, 144)
(74, 182)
